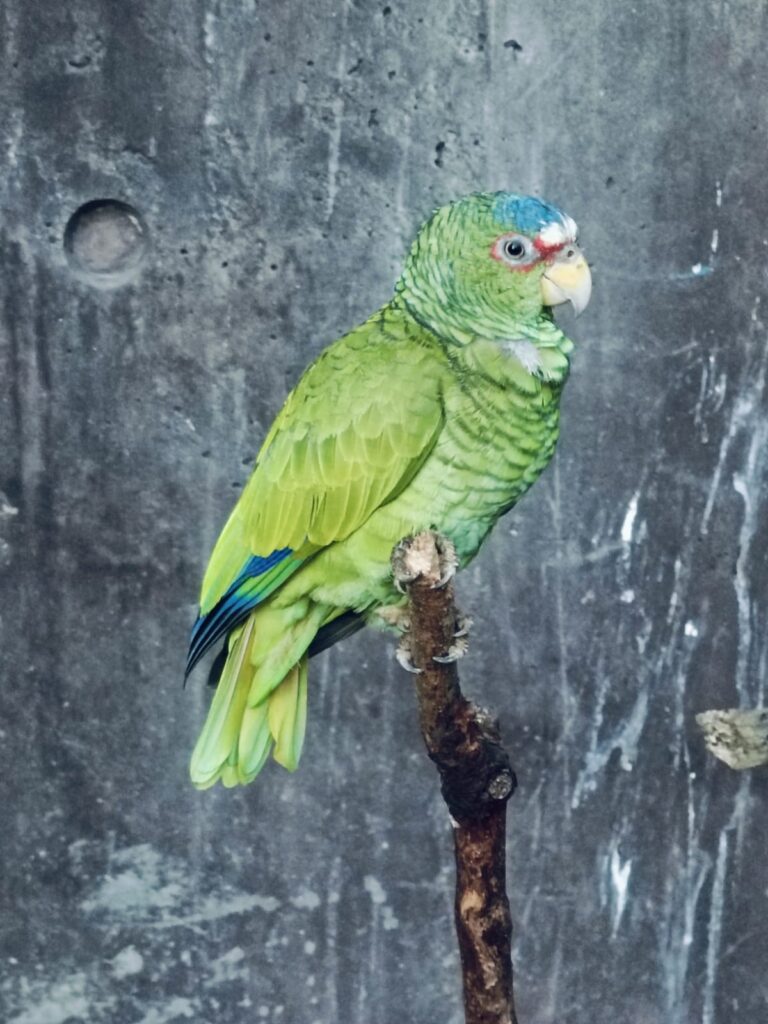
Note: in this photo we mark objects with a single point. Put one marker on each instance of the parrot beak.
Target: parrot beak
(567, 279)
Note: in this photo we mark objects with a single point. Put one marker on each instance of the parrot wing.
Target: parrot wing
(350, 437)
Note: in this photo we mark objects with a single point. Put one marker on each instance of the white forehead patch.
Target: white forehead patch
(559, 232)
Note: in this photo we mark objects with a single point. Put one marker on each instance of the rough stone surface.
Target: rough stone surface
(281, 155)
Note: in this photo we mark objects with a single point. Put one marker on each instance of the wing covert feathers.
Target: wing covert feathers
(351, 436)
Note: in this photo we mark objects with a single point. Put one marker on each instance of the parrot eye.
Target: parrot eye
(514, 249)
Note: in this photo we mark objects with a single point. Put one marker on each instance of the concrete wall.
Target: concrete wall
(281, 155)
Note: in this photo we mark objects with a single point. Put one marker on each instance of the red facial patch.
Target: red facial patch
(547, 251)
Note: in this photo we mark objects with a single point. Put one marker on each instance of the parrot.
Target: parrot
(438, 412)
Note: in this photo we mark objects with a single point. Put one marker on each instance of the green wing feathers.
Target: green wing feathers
(341, 447)
(349, 438)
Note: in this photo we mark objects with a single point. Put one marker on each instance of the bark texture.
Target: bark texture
(475, 774)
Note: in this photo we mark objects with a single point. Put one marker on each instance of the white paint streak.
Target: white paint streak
(215, 908)
(687, 871)
(144, 887)
(573, 558)
(741, 418)
(334, 148)
(626, 739)
(674, 597)
(331, 963)
(129, 891)
(619, 875)
(748, 485)
(628, 526)
(714, 930)
(567, 699)
(337, 117)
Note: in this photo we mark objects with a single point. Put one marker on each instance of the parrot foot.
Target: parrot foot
(413, 558)
(403, 656)
(463, 625)
(395, 616)
(455, 651)
(449, 562)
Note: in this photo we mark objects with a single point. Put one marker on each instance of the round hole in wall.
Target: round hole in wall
(106, 241)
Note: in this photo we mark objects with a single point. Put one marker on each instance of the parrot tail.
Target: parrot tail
(260, 703)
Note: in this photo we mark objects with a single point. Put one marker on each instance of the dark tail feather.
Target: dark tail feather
(338, 629)
(214, 673)
(329, 634)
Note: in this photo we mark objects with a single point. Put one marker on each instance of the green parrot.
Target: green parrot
(438, 412)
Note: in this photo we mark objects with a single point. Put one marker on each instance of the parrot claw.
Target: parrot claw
(401, 576)
(455, 651)
(401, 583)
(449, 563)
(403, 655)
(444, 580)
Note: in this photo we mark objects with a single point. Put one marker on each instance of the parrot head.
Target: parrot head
(492, 261)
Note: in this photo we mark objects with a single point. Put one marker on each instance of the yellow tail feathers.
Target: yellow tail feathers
(287, 716)
(240, 732)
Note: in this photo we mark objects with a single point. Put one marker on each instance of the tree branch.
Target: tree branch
(475, 774)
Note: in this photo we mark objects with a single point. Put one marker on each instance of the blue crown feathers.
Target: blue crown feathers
(526, 213)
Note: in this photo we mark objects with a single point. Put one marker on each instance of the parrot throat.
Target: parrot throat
(461, 318)
(498, 348)
(460, 325)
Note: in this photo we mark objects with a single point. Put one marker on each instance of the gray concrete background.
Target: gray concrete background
(281, 155)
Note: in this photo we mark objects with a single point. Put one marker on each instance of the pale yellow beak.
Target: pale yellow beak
(567, 280)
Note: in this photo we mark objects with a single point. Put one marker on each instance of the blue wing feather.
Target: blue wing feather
(241, 597)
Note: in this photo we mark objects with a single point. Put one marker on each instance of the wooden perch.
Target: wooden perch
(475, 774)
